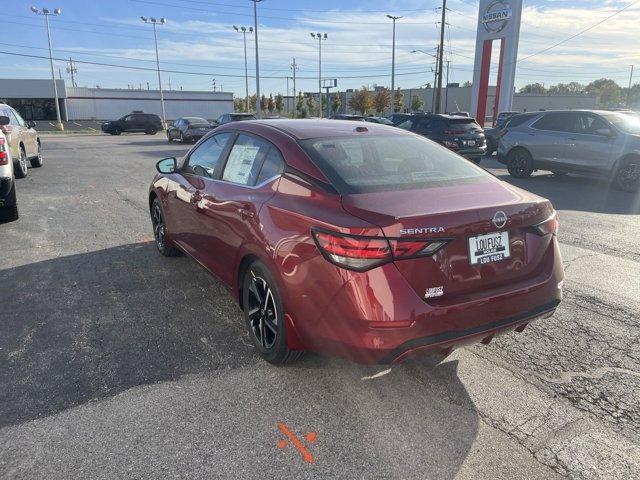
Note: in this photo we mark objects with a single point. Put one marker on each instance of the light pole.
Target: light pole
(46, 12)
(243, 31)
(255, 31)
(393, 64)
(320, 37)
(155, 22)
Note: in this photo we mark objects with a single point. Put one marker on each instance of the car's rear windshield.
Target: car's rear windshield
(465, 124)
(196, 121)
(380, 163)
(243, 117)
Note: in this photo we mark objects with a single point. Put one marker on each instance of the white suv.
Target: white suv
(8, 203)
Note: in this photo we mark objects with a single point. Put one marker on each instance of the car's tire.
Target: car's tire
(20, 168)
(264, 315)
(181, 137)
(115, 131)
(627, 176)
(151, 131)
(169, 139)
(37, 162)
(160, 232)
(9, 213)
(519, 163)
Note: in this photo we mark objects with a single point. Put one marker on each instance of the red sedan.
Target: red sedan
(358, 240)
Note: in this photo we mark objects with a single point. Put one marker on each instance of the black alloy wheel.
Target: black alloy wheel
(520, 163)
(37, 161)
(628, 176)
(22, 169)
(160, 231)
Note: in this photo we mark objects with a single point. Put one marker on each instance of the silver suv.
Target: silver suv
(577, 141)
(8, 203)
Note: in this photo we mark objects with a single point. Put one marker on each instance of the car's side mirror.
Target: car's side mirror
(604, 132)
(4, 120)
(167, 165)
(31, 124)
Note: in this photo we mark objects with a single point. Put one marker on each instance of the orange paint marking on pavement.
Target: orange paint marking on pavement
(282, 444)
(295, 441)
(311, 437)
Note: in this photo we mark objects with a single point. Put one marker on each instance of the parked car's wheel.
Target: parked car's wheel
(9, 213)
(160, 233)
(36, 162)
(20, 167)
(116, 131)
(264, 315)
(169, 139)
(519, 163)
(627, 177)
(151, 131)
(491, 146)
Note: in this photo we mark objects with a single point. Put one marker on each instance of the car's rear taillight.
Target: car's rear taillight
(546, 227)
(361, 253)
(4, 158)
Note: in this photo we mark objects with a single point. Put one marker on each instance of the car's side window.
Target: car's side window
(206, 157)
(245, 159)
(589, 123)
(406, 125)
(556, 122)
(424, 125)
(273, 165)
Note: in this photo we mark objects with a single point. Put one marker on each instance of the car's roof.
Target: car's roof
(242, 114)
(303, 129)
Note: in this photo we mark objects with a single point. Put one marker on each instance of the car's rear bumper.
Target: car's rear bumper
(473, 152)
(376, 317)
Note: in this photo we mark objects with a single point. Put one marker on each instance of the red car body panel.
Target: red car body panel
(379, 315)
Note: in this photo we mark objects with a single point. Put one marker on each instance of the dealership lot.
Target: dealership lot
(115, 362)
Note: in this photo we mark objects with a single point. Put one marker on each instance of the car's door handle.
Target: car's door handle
(195, 198)
(246, 214)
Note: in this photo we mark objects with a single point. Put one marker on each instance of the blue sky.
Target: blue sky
(199, 39)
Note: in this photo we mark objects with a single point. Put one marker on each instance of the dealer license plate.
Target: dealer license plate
(491, 247)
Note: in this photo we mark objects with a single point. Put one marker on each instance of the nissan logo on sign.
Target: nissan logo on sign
(496, 16)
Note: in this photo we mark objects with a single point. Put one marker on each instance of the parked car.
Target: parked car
(460, 134)
(23, 141)
(459, 114)
(381, 120)
(364, 241)
(492, 134)
(575, 141)
(188, 129)
(8, 201)
(348, 116)
(234, 117)
(136, 121)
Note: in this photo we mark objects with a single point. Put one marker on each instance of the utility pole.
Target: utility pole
(320, 37)
(446, 92)
(435, 81)
(155, 22)
(629, 89)
(294, 67)
(244, 31)
(440, 55)
(393, 64)
(46, 12)
(72, 70)
(255, 32)
(213, 84)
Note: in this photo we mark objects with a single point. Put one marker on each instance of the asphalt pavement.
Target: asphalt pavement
(118, 363)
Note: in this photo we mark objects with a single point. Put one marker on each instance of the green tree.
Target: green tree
(311, 105)
(608, 90)
(324, 103)
(571, 88)
(252, 102)
(381, 100)
(279, 103)
(238, 104)
(533, 88)
(300, 105)
(336, 102)
(398, 101)
(264, 103)
(416, 103)
(467, 84)
(632, 97)
(271, 104)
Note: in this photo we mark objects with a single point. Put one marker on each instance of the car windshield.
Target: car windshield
(366, 164)
(626, 123)
(243, 117)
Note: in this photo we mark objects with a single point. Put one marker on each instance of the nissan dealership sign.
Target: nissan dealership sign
(496, 16)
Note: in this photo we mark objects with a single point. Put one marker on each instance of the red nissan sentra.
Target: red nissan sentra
(363, 241)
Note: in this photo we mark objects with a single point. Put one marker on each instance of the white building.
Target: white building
(34, 99)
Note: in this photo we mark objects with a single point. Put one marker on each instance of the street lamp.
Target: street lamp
(255, 32)
(243, 31)
(320, 37)
(46, 12)
(393, 64)
(154, 22)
